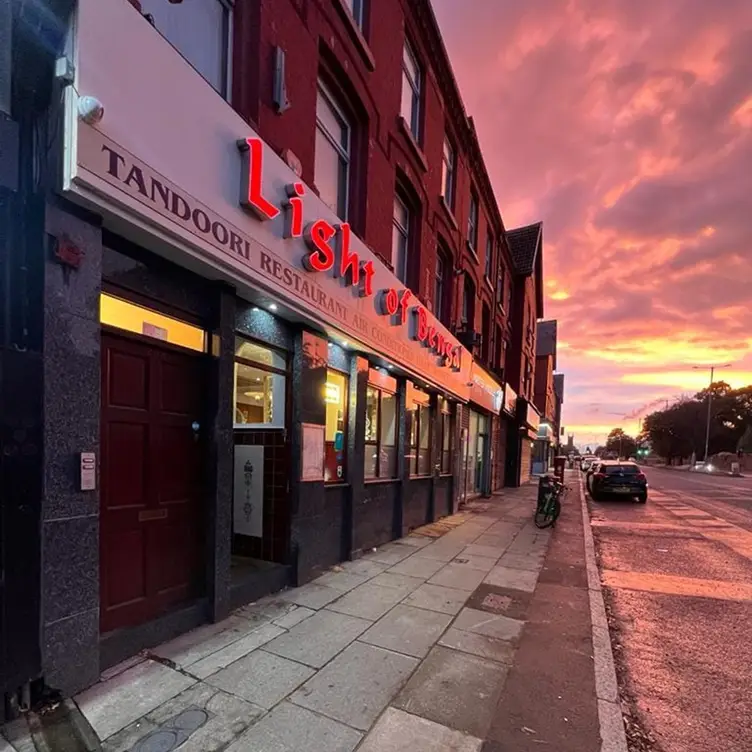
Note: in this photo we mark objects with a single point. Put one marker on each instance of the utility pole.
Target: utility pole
(713, 369)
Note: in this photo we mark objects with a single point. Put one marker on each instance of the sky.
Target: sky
(626, 127)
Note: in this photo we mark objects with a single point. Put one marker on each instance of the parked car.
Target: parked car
(586, 462)
(623, 479)
(589, 474)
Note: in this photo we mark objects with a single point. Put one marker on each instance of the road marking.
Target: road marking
(673, 585)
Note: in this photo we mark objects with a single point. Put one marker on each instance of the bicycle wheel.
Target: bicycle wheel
(546, 514)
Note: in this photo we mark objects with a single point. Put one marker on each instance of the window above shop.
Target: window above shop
(356, 8)
(260, 393)
(333, 156)
(400, 239)
(447, 174)
(201, 31)
(411, 85)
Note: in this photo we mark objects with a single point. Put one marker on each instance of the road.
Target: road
(677, 573)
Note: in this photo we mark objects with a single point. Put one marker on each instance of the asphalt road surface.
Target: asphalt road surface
(677, 573)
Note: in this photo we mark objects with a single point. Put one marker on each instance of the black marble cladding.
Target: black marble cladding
(416, 503)
(374, 515)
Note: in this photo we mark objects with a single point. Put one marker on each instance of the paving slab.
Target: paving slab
(318, 639)
(207, 639)
(234, 651)
(369, 601)
(397, 731)
(417, 566)
(342, 581)
(416, 541)
(473, 549)
(473, 561)
(405, 583)
(391, 554)
(112, 705)
(205, 718)
(291, 728)
(455, 689)
(293, 617)
(498, 542)
(261, 678)
(458, 576)
(311, 596)
(530, 562)
(442, 550)
(491, 625)
(514, 579)
(364, 567)
(478, 644)
(437, 598)
(357, 685)
(407, 630)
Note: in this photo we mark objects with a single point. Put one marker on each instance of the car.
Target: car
(614, 478)
(586, 462)
(590, 472)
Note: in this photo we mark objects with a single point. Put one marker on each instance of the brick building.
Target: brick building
(526, 245)
(261, 303)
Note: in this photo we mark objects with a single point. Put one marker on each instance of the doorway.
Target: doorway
(151, 479)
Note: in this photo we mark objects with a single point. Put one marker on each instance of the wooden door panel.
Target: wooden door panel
(127, 452)
(128, 380)
(126, 574)
(151, 479)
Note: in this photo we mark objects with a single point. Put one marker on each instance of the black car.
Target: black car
(614, 478)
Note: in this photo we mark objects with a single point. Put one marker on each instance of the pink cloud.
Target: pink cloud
(627, 128)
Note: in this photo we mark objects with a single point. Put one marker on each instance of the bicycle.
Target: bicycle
(548, 506)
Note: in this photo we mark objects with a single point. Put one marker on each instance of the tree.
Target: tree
(621, 444)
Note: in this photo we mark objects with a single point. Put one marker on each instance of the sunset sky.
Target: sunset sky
(626, 126)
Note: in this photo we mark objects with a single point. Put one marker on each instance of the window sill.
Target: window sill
(472, 251)
(413, 144)
(356, 35)
(377, 481)
(336, 484)
(449, 214)
(426, 476)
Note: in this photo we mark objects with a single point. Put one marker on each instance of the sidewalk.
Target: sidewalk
(464, 636)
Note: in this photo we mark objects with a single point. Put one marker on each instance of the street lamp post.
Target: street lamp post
(713, 369)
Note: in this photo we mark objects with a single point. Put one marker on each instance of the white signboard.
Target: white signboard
(248, 500)
(312, 450)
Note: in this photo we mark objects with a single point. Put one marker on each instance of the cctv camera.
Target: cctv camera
(90, 110)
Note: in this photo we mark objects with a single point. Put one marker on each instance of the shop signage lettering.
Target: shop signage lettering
(330, 250)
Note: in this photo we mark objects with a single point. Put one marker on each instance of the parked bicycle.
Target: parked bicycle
(550, 493)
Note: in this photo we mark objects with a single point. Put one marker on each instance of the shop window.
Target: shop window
(335, 437)
(472, 223)
(419, 453)
(447, 174)
(130, 317)
(333, 156)
(260, 386)
(381, 434)
(411, 83)
(446, 437)
(201, 31)
(400, 239)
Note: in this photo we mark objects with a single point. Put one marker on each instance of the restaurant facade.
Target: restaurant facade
(235, 392)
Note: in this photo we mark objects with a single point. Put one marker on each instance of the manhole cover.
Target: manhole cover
(159, 741)
(496, 603)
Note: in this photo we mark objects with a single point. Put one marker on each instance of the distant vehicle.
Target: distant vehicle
(586, 462)
(589, 474)
(623, 479)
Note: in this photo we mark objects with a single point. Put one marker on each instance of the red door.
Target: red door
(150, 547)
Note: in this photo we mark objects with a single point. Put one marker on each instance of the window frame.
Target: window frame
(284, 372)
(358, 11)
(401, 274)
(416, 87)
(439, 290)
(468, 302)
(490, 247)
(378, 443)
(345, 421)
(421, 410)
(227, 33)
(345, 154)
(485, 333)
(472, 222)
(448, 172)
(445, 415)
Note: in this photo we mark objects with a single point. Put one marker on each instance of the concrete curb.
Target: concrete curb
(613, 736)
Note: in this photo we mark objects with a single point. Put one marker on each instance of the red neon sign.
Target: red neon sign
(339, 258)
